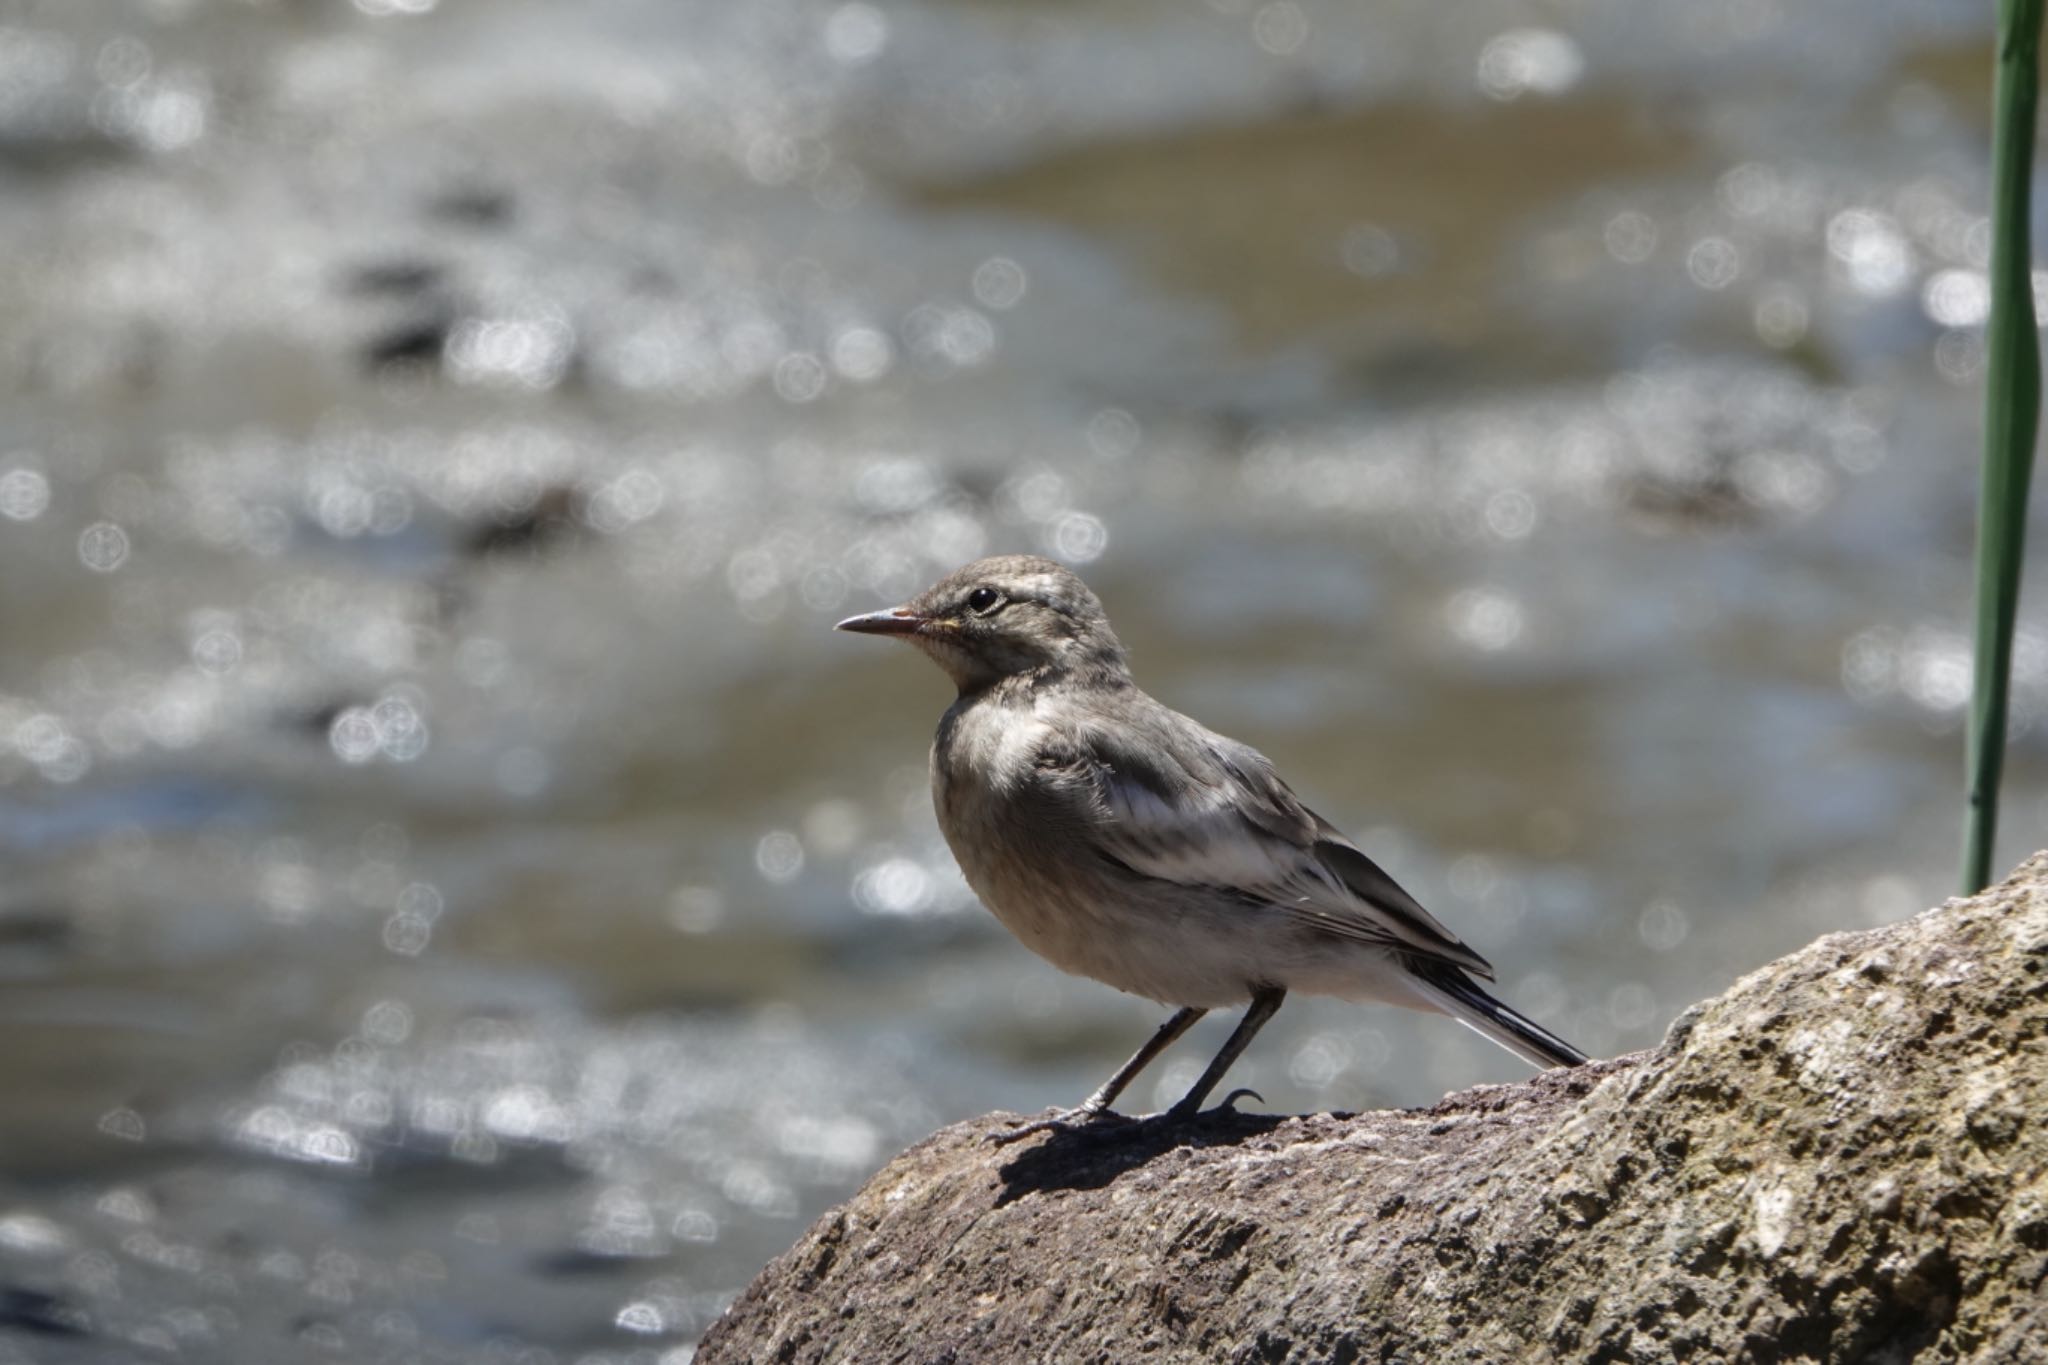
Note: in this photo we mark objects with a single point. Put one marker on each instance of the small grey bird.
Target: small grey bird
(1122, 841)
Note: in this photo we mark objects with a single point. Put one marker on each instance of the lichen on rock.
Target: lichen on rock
(1843, 1158)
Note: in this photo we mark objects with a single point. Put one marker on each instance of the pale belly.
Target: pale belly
(1107, 939)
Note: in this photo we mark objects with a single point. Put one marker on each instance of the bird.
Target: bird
(1123, 841)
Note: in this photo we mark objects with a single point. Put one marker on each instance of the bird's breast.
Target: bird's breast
(1009, 849)
(982, 754)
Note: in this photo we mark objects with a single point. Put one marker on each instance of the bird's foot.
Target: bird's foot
(1078, 1120)
(1226, 1105)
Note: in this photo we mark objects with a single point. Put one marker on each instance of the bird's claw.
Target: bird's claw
(1060, 1121)
(1181, 1113)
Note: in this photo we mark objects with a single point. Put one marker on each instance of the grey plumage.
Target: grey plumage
(1121, 840)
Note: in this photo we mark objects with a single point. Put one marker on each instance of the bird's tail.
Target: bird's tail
(1459, 996)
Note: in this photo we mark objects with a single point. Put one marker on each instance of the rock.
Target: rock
(1844, 1158)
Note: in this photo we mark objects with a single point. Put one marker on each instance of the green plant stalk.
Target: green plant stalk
(2012, 412)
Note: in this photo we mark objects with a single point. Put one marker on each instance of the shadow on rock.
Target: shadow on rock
(1091, 1158)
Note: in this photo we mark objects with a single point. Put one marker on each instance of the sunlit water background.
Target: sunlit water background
(461, 901)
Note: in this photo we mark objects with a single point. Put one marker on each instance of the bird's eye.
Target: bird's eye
(982, 601)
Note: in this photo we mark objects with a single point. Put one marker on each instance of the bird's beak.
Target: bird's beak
(894, 621)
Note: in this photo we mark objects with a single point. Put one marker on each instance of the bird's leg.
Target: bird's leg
(1097, 1104)
(1265, 1004)
(1106, 1093)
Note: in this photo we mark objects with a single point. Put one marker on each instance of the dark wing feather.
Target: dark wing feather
(1421, 932)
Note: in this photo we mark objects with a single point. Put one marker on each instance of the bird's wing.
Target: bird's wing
(1170, 800)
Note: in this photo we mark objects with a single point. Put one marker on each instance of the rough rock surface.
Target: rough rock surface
(1844, 1158)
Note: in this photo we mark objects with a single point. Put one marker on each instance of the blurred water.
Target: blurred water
(463, 904)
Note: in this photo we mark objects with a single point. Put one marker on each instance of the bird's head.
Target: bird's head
(1004, 617)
